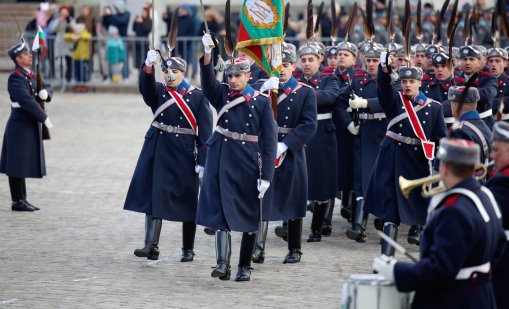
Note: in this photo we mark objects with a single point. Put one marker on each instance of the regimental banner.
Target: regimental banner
(261, 33)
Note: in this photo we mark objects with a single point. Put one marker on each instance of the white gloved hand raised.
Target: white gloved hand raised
(207, 41)
(48, 123)
(43, 94)
(199, 170)
(263, 185)
(151, 58)
(281, 148)
(358, 102)
(385, 59)
(269, 84)
(353, 128)
(384, 265)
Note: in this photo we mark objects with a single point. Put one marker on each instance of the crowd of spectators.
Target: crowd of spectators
(84, 39)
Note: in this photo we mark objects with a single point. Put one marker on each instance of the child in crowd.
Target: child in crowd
(115, 54)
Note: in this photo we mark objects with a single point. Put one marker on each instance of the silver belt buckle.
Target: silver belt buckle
(235, 135)
(170, 129)
(407, 140)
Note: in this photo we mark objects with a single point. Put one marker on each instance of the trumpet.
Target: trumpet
(426, 183)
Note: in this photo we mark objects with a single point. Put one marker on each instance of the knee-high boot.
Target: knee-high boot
(358, 230)
(149, 231)
(414, 235)
(327, 221)
(259, 247)
(246, 249)
(294, 241)
(223, 255)
(347, 198)
(390, 229)
(188, 235)
(316, 222)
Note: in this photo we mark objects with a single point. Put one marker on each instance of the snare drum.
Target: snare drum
(372, 291)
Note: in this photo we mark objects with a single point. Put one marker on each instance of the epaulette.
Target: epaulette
(484, 73)
(305, 85)
(451, 200)
(328, 71)
(430, 100)
(363, 74)
(459, 79)
(426, 77)
(506, 172)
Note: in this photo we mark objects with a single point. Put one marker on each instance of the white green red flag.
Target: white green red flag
(261, 33)
(40, 42)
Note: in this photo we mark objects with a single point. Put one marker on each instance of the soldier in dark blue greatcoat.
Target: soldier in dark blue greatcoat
(166, 179)
(485, 82)
(498, 183)
(463, 234)
(287, 196)
(321, 150)
(23, 149)
(497, 62)
(469, 124)
(373, 124)
(415, 126)
(240, 161)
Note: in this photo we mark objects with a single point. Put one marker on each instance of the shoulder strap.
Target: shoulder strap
(284, 95)
(188, 113)
(485, 148)
(232, 104)
(162, 107)
(493, 201)
(474, 198)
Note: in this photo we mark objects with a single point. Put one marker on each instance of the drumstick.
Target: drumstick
(397, 246)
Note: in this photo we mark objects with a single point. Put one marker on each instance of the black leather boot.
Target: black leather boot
(209, 231)
(259, 247)
(327, 221)
(316, 222)
(223, 255)
(346, 205)
(16, 188)
(282, 231)
(153, 254)
(24, 198)
(414, 235)
(246, 249)
(358, 230)
(294, 241)
(390, 229)
(149, 231)
(188, 234)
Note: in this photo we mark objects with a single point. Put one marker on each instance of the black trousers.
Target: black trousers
(18, 189)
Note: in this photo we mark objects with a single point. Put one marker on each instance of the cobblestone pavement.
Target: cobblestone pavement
(77, 251)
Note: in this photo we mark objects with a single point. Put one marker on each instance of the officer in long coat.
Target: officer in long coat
(346, 128)
(497, 62)
(23, 149)
(321, 150)
(287, 196)
(166, 179)
(462, 235)
(437, 88)
(485, 82)
(499, 186)
(403, 152)
(469, 124)
(240, 161)
(372, 122)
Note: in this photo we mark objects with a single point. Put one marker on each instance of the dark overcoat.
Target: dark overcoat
(165, 183)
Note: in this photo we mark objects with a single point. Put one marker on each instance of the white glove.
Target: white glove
(206, 39)
(48, 123)
(353, 128)
(384, 59)
(358, 102)
(269, 84)
(384, 265)
(281, 148)
(394, 76)
(199, 170)
(263, 185)
(43, 94)
(151, 58)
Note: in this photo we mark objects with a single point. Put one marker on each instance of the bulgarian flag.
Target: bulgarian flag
(261, 33)
(40, 42)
